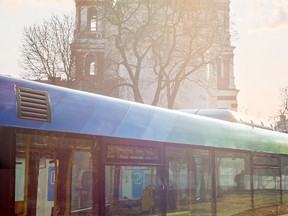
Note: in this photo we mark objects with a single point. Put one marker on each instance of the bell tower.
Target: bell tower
(88, 45)
(226, 90)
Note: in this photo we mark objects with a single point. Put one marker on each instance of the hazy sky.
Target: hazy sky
(261, 54)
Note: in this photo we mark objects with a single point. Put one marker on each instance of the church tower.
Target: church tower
(88, 50)
(226, 90)
(88, 46)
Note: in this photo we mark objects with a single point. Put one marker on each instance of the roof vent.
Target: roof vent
(33, 104)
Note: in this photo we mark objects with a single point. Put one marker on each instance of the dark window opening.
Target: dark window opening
(93, 24)
(92, 19)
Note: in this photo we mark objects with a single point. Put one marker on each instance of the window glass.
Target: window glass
(189, 182)
(81, 181)
(266, 183)
(284, 172)
(265, 160)
(284, 176)
(135, 154)
(54, 176)
(133, 190)
(233, 182)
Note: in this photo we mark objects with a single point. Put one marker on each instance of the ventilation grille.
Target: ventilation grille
(33, 104)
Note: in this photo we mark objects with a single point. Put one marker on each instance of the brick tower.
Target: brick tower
(88, 46)
(226, 90)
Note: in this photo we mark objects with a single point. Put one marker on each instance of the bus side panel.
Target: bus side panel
(7, 168)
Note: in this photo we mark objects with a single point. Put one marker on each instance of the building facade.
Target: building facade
(218, 90)
(88, 48)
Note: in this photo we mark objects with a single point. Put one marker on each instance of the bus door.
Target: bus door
(133, 186)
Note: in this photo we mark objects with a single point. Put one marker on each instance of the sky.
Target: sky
(260, 35)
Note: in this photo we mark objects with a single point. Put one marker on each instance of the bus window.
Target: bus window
(133, 190)
(82, 182)
(189, 181)
(284, 172)
(53, 176)
(266, 183)
(233, 182)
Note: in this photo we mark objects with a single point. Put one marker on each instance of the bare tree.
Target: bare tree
(284, 101)
(45, 50)
(283, 111)
(160, 44)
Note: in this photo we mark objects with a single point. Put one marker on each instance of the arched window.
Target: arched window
(92, 19)
(92, 69)
(93, 24)
(91, 65)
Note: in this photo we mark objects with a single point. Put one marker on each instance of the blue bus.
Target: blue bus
(66, 152)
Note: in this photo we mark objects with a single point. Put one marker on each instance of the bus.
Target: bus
(71, 153)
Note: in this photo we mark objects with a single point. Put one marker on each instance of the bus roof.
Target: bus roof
(79, 112)
(232, 116)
